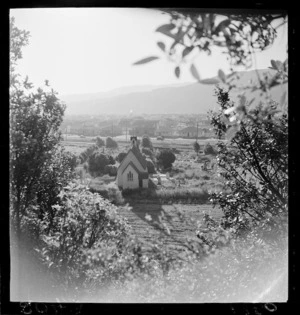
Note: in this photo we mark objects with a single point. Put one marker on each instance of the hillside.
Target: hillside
(177, 99)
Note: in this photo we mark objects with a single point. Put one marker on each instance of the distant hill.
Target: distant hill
(179, 99)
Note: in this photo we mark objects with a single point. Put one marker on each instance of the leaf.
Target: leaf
(165, 29)
(186, 51)
(274, 65)
(210, 81)
(222, 75)
(195, 72)
(161, 45)
(222, 26)
(145, 60)
(177, 72)
(283, 99)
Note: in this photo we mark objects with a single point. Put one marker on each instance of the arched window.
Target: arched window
(130, 176)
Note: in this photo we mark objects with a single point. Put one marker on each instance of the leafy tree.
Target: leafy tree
(111, 160)
(146, 142)
(196, 146)
(111, 143)
(148, 152)
(110, 169)
(121, 156)
(88, 152)
(100, 142)
(97, 162)
(208, 149)
(150, 166)
(254, 165)
(35, 154)
(166, 158)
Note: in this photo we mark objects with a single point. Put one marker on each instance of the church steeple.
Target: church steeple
(134, 143)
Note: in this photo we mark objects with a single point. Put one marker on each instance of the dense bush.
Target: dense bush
(121, 156)
(111, 170)
(150, 166)
(165, 158)
(87, 153)
(147, 152)
(146, 142)
(196, 146)
(209, 149)
(111, 143)
(254, 165)
(100, 142)
(97, 162)
(111, 160)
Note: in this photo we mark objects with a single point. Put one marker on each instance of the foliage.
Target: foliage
(111, 143)
(147, 151)
(208, 149)
(150, 166)
(97, 162)
(166, 158)
(37, 161)
(196, 146)
(121, 156)
(146, 142)
(254, 165)
(111, 160)
(100, 142)
(110, 169)
(237, 34)
(87, 153)
(82, 222)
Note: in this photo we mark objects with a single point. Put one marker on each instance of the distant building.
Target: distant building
(188, 132)
(133, 172)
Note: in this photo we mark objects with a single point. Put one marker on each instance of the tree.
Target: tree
(150, 166)
(196, 147)
(35, 153)
(97, 162)
(121, 156)
(111, 143)
(166, 158)
(110, 169)
(100, 142)
(238, 35)
(254, 165)
(208, 149)
(146, 142)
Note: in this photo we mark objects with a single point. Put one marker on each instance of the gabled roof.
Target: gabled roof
(139, 157)
(142, 175)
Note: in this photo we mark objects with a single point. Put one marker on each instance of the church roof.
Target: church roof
(142, 175)
(139, 156)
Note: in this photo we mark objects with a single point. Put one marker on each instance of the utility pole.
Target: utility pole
(112, 129)
(197, 132)
(126, 130)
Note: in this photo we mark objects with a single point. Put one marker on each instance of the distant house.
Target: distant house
(133, 172)
(188, 132)
(140, 127)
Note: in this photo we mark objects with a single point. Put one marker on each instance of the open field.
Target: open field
(149, 221)
(73, 141)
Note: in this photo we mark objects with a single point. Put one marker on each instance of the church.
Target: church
(133, 172)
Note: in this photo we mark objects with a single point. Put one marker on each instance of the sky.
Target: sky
(90, 50)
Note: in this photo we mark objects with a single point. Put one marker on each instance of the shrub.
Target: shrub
(87, 153)
(208, 149)
(121, 156)
(147, 152)
(150, 166)
(100, 142)
(111, 160)
(111, 143)
(97, 162)
(110, 169)
(146, 142)
(196, 146)
(166, 158)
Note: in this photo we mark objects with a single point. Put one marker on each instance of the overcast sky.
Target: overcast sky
(92, 50)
